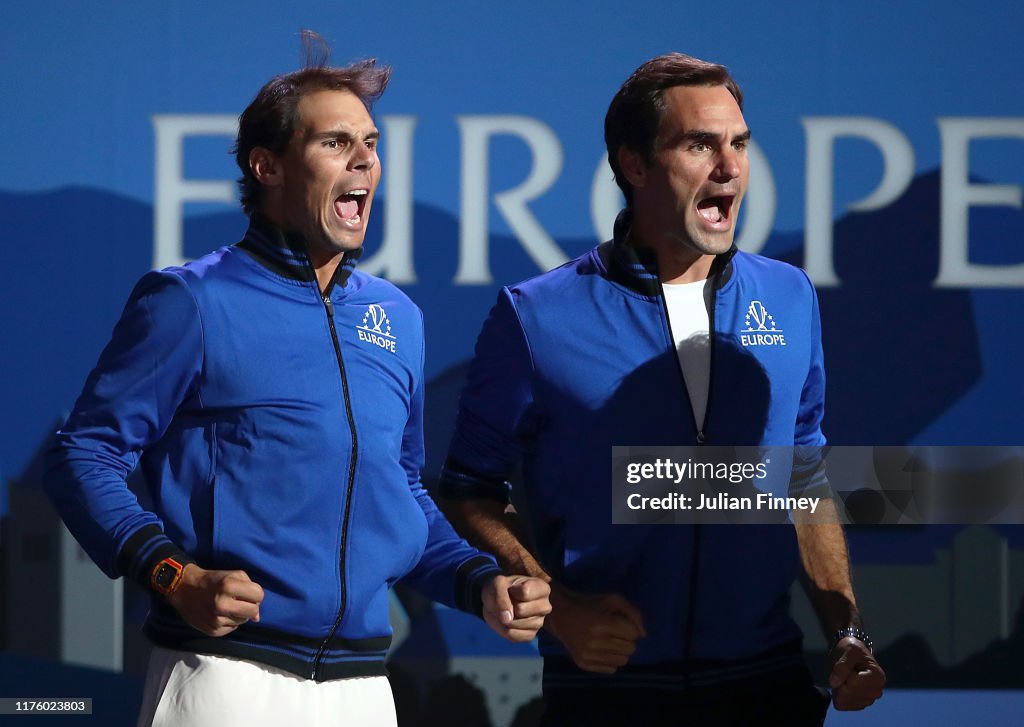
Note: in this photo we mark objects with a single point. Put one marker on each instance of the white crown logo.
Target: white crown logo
(376, 316)
(757, 313)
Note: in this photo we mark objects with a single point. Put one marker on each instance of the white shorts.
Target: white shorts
(184, 689)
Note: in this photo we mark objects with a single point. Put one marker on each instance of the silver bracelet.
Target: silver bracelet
(855, 633)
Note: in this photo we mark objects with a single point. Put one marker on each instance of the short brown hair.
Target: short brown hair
(635, 113)
(269, 121)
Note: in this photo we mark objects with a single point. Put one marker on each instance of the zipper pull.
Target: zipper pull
(329, 306)
(700, 439)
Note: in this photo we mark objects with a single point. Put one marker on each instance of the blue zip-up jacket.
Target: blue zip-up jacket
(581, 359)
(279, 432)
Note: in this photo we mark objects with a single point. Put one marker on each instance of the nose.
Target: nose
(728, 166)
(364, 158)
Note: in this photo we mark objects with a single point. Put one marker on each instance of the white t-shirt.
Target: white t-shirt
(690, 322)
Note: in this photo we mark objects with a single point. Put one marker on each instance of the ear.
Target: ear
(265, 166)
(633, 166)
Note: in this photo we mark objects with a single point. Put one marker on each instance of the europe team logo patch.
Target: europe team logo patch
(761, 328)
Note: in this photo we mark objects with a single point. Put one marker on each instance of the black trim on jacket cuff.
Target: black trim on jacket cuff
(144, 550)
(470, 579)
(458, 483)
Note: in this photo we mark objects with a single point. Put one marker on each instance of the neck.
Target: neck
(325, 269)
(677, 262)
(324, 262)
(674, 268)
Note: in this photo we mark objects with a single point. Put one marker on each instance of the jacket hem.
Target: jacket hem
(344, 659)
(560, 673)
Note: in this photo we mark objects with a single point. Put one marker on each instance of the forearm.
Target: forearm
(449, 571)
(145, 373)
(105, 517)
(855, 677)
(494, 528)
(826, 577)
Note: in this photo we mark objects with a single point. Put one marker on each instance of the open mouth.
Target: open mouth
(350, 206)
(716, 210)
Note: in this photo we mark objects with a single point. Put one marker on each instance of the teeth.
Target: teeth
(356, 193)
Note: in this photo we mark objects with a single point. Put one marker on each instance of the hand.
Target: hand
(515, 606)
(599, 630)
(857, 679)
(216, 602)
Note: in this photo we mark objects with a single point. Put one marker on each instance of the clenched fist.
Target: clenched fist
(216, 602)
(599, 630)
(515, 606)
(857, 679)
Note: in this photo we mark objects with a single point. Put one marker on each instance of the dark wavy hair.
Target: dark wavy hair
(635, 113)
(269, 121)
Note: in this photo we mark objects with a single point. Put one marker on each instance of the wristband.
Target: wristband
(853, 632)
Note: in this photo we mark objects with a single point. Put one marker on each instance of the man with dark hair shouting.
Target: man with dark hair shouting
(274, 395)
(637, 342)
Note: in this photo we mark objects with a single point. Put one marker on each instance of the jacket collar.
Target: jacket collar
(637, 267)
(286, 254)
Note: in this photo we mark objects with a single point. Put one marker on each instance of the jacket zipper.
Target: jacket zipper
(702, 427)
(329, 309)
(700, 440)
(711, 354)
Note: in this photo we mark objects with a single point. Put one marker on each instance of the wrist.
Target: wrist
(853, 632)
(167, 575)
(561, 599)
(473, 578)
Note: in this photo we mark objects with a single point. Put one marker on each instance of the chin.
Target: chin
(714, 247)
(346, 241)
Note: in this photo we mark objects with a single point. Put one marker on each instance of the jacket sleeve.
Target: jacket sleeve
(809, 476)
(812, 396)
(147, 369)
(497, 412)
(450, 570)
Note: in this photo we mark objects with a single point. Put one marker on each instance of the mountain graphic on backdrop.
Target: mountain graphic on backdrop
(899, 351)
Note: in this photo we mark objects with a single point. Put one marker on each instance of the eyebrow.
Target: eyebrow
(344, 134)
(699, 135)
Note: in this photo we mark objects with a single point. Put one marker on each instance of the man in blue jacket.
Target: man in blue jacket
(665, 335)
(274, 396)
